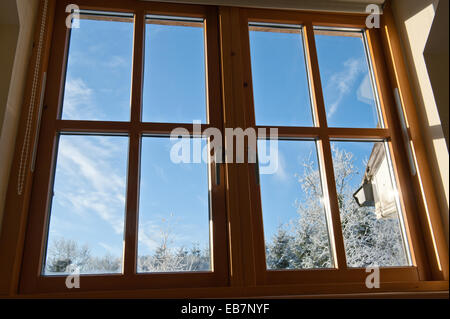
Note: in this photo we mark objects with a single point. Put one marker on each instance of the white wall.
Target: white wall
(414, 19)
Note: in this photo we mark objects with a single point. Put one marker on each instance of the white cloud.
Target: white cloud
(341, 83)
(115, 62)
(78, 100)
(89, 181)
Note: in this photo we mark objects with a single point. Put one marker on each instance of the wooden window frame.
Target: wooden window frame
(239, 247)
(324, 135)
(135, 129)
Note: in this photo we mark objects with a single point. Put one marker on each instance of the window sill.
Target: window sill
(391, 290)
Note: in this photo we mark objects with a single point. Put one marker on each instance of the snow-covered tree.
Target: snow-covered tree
(65, 252)
(368, 241)
(280, 250)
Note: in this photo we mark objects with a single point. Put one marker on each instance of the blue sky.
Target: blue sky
(281, 97)
(174, 74)
(90, 182)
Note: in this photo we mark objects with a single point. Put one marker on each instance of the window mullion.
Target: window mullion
(325, 155)
(132, 199)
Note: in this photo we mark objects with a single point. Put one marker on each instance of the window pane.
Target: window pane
(98, 80)
(87, 214)
(280, 82)
(346, 80)
(295, 225)
(174, 210)
(368, 204)
(174, 75)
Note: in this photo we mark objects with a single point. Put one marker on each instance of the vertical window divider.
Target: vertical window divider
(325, 155)
(219, 253)
(132, 197)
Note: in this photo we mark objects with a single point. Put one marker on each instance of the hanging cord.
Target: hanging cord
(26, 144)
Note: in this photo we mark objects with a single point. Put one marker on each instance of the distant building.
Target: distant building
(377, 190)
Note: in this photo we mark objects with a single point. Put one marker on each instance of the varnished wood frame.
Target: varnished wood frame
(32, 280)
(242, 279)
(323, 134)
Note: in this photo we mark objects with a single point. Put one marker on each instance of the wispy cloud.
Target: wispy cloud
(89, 182)
(341, 83)
(78, 100)
(116, 61)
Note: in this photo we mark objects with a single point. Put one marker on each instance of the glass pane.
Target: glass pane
(280, 81)
(295, 225)
(368, 203)
(98, 80)
(87, 213)
(174, 74)
(346, 80)
(174, 210)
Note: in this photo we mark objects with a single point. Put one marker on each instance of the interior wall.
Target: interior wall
(436, 57)
(9, 32)
(11, 104)
(414, 20)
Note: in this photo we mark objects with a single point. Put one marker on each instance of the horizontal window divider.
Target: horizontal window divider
(335, 275)
(358, 133)
(293, 132)
(106, 15)
(274, 27)
(287, 132)
(165, 129)
(111, 127)
(295, 17)
(174, 22)
(71, 126)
